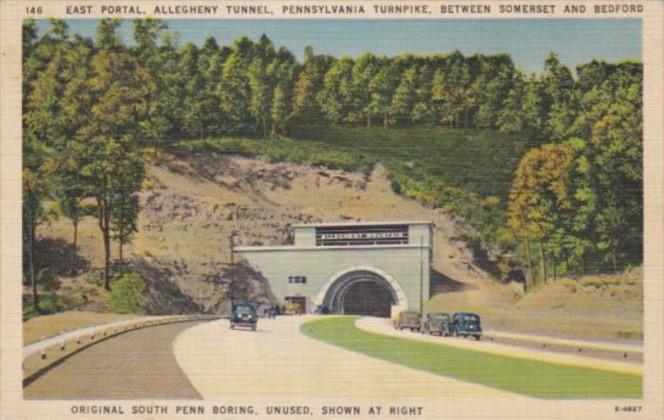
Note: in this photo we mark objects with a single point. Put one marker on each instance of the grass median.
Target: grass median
(522, 376)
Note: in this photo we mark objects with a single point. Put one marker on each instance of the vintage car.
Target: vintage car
(244, 315)
(466, 324)
(437, 323)
(408, 320)
(321, 310)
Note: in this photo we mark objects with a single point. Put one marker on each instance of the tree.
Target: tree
(124, 219)
(523, 109)
(423, 110)
(309, 84)
(157, 91)
(112, 162)
(336, 97)
(493, 87)
(234, 89)
(403, 99)
(279, 110)
(452, 91)
(540, 199)
(382, 88)
(560, 99)
(30, 63)
(43, 133)
(74, 102)
(364, 71)
(617, 154)
(283, 70)
(36, 174)
(262, 84)
(107, 36)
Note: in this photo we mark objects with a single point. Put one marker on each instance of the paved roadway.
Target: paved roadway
(134, 365)
(194, 360)
(278, 361)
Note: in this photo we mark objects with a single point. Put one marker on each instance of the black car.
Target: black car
(244, 315)
(466, 324)
(437, 323)
(321, 310)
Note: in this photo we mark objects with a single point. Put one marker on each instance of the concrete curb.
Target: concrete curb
(43, 355)
(375, 326)
(629, 348)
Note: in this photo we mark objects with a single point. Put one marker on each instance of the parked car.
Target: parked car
(466, 324)
(321, 310)
(437, 323)
(244, 315)
(408, 320)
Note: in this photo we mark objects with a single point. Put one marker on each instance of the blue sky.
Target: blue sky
(528, 41)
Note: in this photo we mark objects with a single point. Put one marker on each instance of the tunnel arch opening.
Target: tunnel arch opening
(363, 292)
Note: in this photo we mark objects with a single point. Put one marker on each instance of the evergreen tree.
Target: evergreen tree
(382, 88)
(336, 96)
(159, 106)
(560, 99)
(403, 100)
(423, 110)
(234, 89)
(309, 84)
(364, 70)
(112, 162)
(262, 83)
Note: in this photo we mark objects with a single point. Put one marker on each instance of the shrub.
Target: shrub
(600, 281)
(49, 303)
(127, 295)
(570, 284)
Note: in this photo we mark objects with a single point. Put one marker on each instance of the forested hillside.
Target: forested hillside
(547, 168)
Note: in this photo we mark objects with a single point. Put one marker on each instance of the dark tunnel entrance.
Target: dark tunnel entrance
(361, 293)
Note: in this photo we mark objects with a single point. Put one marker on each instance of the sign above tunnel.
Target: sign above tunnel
(362, 235)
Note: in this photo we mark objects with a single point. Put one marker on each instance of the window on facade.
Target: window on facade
(297, 279)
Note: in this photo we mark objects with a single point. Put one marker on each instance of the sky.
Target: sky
(528, 41)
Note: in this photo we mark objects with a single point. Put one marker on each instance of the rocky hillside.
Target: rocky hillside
(191, 205)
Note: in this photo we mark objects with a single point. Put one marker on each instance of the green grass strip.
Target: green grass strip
(528, 377)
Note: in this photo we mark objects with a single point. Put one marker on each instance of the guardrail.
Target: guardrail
(41, 356)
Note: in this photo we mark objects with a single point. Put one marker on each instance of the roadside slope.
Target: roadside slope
(191, 204)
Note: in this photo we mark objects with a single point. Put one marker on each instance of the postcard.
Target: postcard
(332, 209)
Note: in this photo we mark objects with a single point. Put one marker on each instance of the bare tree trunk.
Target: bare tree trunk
(583, 263)
(121, 237)
(31, 225)
(614, 260)
(553, 258)
(385, 122)
(103, 205)
(542, 261)
(530, 262)
(72, 261)
(368, 120)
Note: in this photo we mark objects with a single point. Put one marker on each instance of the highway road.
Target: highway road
(135, 365)
(278, 361)
(208, 360)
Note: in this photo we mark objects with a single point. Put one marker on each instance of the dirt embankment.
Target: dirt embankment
(192, 205)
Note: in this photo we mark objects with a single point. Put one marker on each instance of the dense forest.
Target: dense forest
(95, 110)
